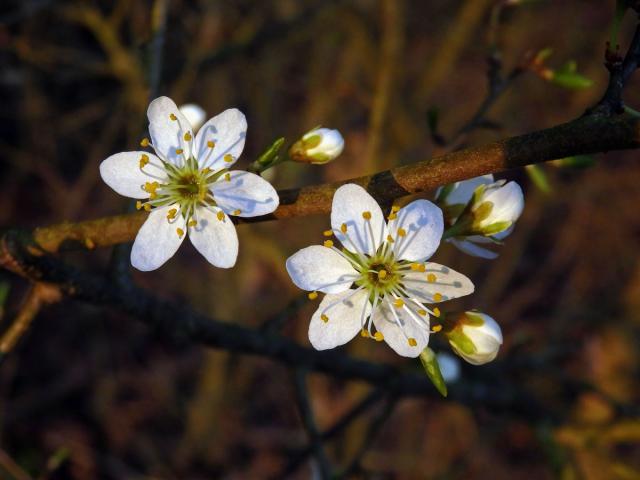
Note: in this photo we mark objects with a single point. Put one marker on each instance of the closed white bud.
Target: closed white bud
(195, 114)
(496, 207)
(318, 146)
(476, 337)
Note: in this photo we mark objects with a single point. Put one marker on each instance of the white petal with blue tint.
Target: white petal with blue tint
(167, 135)
(226, 132)
(421, 224)
(320, 268)
(215, 237)
(158, 239)
(122, 173)
(245, 194)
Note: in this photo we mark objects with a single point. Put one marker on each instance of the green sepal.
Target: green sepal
(495, 228)
(568, 77)
(432, 368)
(539, 178)
(461, 341)
(270, 156)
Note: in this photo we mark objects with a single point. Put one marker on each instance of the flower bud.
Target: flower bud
(195, 114)
(318, 146)
(476, 337)
(496, 207)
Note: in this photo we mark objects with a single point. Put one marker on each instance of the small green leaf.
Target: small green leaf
(577, 161)
(432, 368)
(567, 77)
(539, 178)
(268, 157)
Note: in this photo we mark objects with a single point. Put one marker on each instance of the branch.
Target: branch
(589, 134)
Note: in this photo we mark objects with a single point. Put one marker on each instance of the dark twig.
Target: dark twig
(372, 432)
(306, 414)
(619, 73)
(336, 429)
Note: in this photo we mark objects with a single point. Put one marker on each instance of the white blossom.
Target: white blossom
(318, 146)
(194, 114)
(188, 187)
(379, 283)
(476, 337)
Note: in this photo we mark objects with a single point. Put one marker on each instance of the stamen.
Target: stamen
(187, 136)
(227, 177)
(192, 223)
(412, 342)
(378, 336)
(366, 215)
(237, 212)
(422, 312)
(138, 205)
(220, 215)
(324, 318)
(392, 216)
(179, 151)
(390, 239)
(436, 312)
(180, 232)
(436, 328)
(328, 243)
(402, 232)
(431, 278)
(228, 158)
(398, 303)
(364, 333)
(395, 209)
(144, 142)
(437, 297)
(147, 207)
(382, 274)
(327, 233)
(171, 214)
(312, 295)
(144, 160)
(173, 117)
(343, 228)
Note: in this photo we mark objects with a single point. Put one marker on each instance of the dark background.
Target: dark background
(89, 393)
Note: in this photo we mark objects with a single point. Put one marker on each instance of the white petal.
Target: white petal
(508, 203)
(168, 135)
(247, 192)
(320, 268)
(228, 131)
(157, 239)
(194, 114)
(472, 249)
(397, 336)
(349, 203)
(122, 173)
(216, 240)
(448, 283)
(344, 319)
(463, 191)
(423, 223)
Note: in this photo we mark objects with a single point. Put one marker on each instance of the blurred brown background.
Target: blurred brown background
(89, 393)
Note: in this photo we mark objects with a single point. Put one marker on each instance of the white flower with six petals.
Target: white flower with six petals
(380, 278)
(187, 186)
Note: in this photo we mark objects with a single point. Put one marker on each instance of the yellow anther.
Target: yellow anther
(328, 243)
(324, 318)
(138, 205)
(327, 233)
(206, 171)
(378, 336)
(144, 142)
(227, 177)
(436, 312)
(180, 232)
(228, 158)
(382, 274)
(415, 266)
(171, 214)
(366, 215)
(220, 215)
(436, 328)
(343, 228)
(390, 239)
(412, 342)
(395, 209)
(392, 216)
(437, 297)
(402, 232)
(192, 223)
(364, 333)
(173, 117)
(90, 244)
(398, 303)
(422, 312)
(147, 207)
(151, 187)
(431, 278)
(237, 212)
(422, 268)
(144, 160)
(312, 295)
(179, 151)
(153, 195)
(211, 144)
(187, 136)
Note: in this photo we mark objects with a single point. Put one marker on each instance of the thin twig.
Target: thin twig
(306, 414)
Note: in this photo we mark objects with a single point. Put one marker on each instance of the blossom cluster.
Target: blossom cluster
(373, 269)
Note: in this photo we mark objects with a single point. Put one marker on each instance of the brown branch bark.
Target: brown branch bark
(589, 134)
